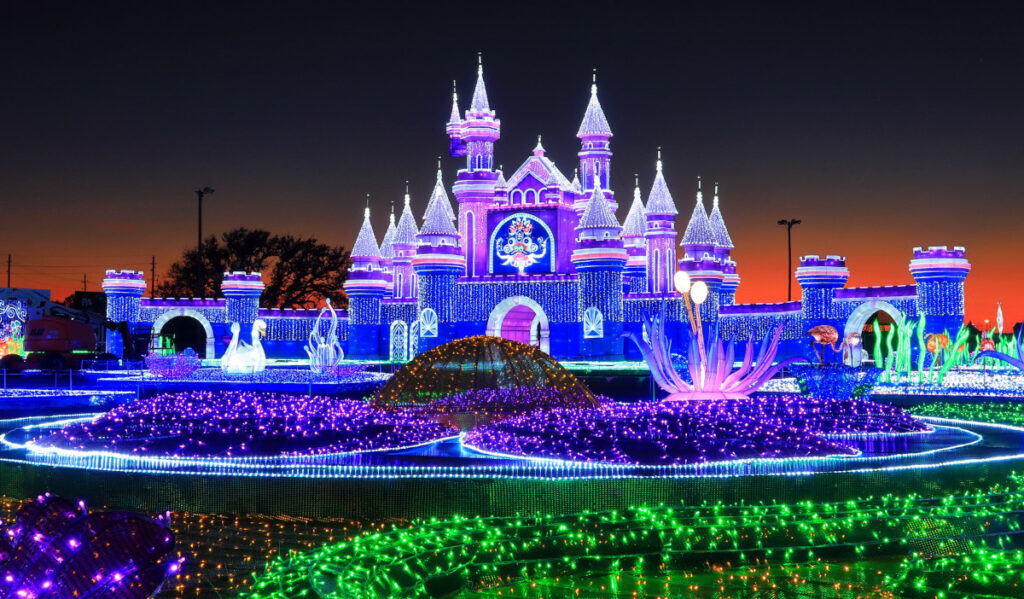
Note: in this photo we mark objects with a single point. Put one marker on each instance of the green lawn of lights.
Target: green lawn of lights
(966, 545)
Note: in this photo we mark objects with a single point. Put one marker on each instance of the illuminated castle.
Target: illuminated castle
(538, 258)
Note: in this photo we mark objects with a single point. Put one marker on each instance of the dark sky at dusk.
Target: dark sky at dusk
(881, 127)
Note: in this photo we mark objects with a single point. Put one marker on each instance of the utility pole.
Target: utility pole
(152, 277)
(8, 271)
(201, 281)
(85, 282)
(789, 255)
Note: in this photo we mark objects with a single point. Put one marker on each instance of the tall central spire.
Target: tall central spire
(480, 103)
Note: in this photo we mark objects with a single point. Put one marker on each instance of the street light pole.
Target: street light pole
(201, 280)
(789, 255)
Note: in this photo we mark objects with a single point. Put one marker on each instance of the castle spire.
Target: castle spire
(480, 103)
(594, 122)
(539, 149)
(440, 204)
(387, 248)
(406, 232)
(719, 232)
(366, 242)
(698, 230)
(660, 199)
(598, 214)
(636, 223)
(454, 118)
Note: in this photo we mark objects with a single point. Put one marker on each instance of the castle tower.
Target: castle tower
(661, 235)
(595, 151)
(730, 283)
(722, 250)
(124, 290)
(366, 286)
(404, 245)
(600, 258)
(698, 239)
(819, 278)
(242, 291)
(474, 185)
(633, 239)
(940, 273)
(438, 263)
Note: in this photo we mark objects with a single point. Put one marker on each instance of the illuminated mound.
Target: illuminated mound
(243, 424)
(477, 363)
(692, 432)
(962, 545)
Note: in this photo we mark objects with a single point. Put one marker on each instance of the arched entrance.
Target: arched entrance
(859, 322)
(521, 319)
(186, 328)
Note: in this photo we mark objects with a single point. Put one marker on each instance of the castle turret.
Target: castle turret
(404, 244)
(661, 235)
(438, 263)
(633, 239)
(595, 151)
(698, 239)
(366, 286)
(730, 283)
(940, 273)
(600, 258)
(719, 232)
(242, 291)
(474, 185)
(124, 290)
(387, 251)
(456, 145)
(819, 278)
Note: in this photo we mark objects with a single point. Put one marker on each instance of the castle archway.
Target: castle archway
(887, 314)
(521, 319)
(187, 328)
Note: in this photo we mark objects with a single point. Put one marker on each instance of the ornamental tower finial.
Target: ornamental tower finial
(657, 165)
(454, 118)
(480, 103)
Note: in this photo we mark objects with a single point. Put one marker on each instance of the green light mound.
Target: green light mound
(996, 412)
(868, 546)
(476, 363)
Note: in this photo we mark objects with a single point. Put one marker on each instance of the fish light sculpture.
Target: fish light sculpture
(711, 370)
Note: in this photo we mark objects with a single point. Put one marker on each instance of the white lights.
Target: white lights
(699, 292)
(682, 281)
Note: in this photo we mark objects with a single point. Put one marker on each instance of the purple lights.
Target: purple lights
(239, 424)
(691, 432)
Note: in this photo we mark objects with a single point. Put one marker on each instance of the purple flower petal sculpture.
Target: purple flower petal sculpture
(713, 376)
(1018, 361)
(56, 549)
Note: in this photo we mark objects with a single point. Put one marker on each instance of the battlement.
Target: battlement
(295, 313)
(124, 282)
(765, 308)
(242, 284)
(183, 302)
(813, 260)
(708, 268)
(877, 291)
(940, 251)
(241, 275)
(137, 275)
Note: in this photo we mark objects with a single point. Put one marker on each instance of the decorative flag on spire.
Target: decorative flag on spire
(480, 103)
(366, 242)
(660, 200)
(718, 230)
(594, 121)
(698, 230)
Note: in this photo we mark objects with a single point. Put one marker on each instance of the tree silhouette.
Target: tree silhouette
(299, 272)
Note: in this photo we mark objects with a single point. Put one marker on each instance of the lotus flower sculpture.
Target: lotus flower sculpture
(325, 352)
(998, 355)
(712, 373)
(57, 549)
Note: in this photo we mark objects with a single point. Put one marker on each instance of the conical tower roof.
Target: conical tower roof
(719, 232)
(594, 121)
(366, 242)
(480, 103)
(660, 199)
(698, 230)
(454, 118)
(636, 223)
(439, 217)
(598, 213)
(387, 248)
(407, 231)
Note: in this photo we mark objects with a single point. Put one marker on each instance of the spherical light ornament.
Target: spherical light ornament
(682, 281)
(699, 292)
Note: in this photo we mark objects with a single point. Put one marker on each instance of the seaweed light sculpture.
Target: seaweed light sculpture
(712, 373)
(325, 353)
(1006, 357)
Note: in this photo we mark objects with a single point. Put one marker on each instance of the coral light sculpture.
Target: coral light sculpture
(998, 355)
(711, 371)
(325, 353)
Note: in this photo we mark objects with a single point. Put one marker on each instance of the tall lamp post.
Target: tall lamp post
(789, 255)
(201, 280)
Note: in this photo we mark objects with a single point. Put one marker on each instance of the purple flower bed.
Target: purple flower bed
(691, 432)
(224, 424)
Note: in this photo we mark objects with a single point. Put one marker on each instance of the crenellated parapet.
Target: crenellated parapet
(242, 291)
(820, 278)
(730, 283)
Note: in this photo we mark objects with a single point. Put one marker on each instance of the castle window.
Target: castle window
(593, 323)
